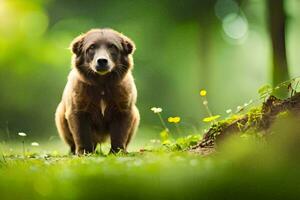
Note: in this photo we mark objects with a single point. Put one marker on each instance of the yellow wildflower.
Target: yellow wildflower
(203, 93)
(174, 120)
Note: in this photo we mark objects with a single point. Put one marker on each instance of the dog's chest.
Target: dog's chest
(102, 103)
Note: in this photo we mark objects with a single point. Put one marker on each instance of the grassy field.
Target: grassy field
(246, 169)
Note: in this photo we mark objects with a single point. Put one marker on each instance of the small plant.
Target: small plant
(176, 121)
(23, 135)
(164, 135)
(157, 111)
(211, 118)
(183, 143)
(265, 91)
(293, 86)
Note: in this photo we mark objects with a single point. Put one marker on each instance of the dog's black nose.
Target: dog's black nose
(102, 62)
(102, 65)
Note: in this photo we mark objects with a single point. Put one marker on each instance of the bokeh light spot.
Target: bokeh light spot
(34, 23)
(235, 26)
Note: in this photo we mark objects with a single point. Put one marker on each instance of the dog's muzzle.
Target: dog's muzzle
(102, 66)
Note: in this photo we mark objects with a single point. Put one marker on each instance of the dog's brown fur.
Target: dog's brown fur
(81, 119)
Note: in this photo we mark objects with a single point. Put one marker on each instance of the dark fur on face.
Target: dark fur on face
(100, 96)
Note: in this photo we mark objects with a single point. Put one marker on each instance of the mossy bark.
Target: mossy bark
(270, 109)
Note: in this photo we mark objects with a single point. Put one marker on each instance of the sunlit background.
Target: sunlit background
(222, 46)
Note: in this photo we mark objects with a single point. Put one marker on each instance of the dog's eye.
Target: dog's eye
(92, 47)
(112, 46)
(113, 49)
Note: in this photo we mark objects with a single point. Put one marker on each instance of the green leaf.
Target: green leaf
(212, 118)
(264, 90)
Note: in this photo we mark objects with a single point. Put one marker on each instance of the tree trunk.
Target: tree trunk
(277, 30)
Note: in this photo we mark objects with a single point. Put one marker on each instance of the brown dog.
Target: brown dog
(99, 99)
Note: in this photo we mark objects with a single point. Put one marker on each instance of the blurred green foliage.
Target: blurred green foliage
(222, 46)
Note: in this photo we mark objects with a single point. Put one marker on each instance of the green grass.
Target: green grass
(246, 169)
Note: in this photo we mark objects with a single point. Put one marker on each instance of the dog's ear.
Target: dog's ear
(77, 44)
(128, 45)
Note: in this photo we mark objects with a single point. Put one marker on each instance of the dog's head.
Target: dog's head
(103, 51)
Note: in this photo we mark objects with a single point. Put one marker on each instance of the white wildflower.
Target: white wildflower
(156, 110)
(228, 111)
(35, 144)
(22, 134)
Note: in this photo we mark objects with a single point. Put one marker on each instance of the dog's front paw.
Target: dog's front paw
(117, 150)
(84, 150)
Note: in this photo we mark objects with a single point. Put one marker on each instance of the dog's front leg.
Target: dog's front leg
(119, 128)
(80, 126)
